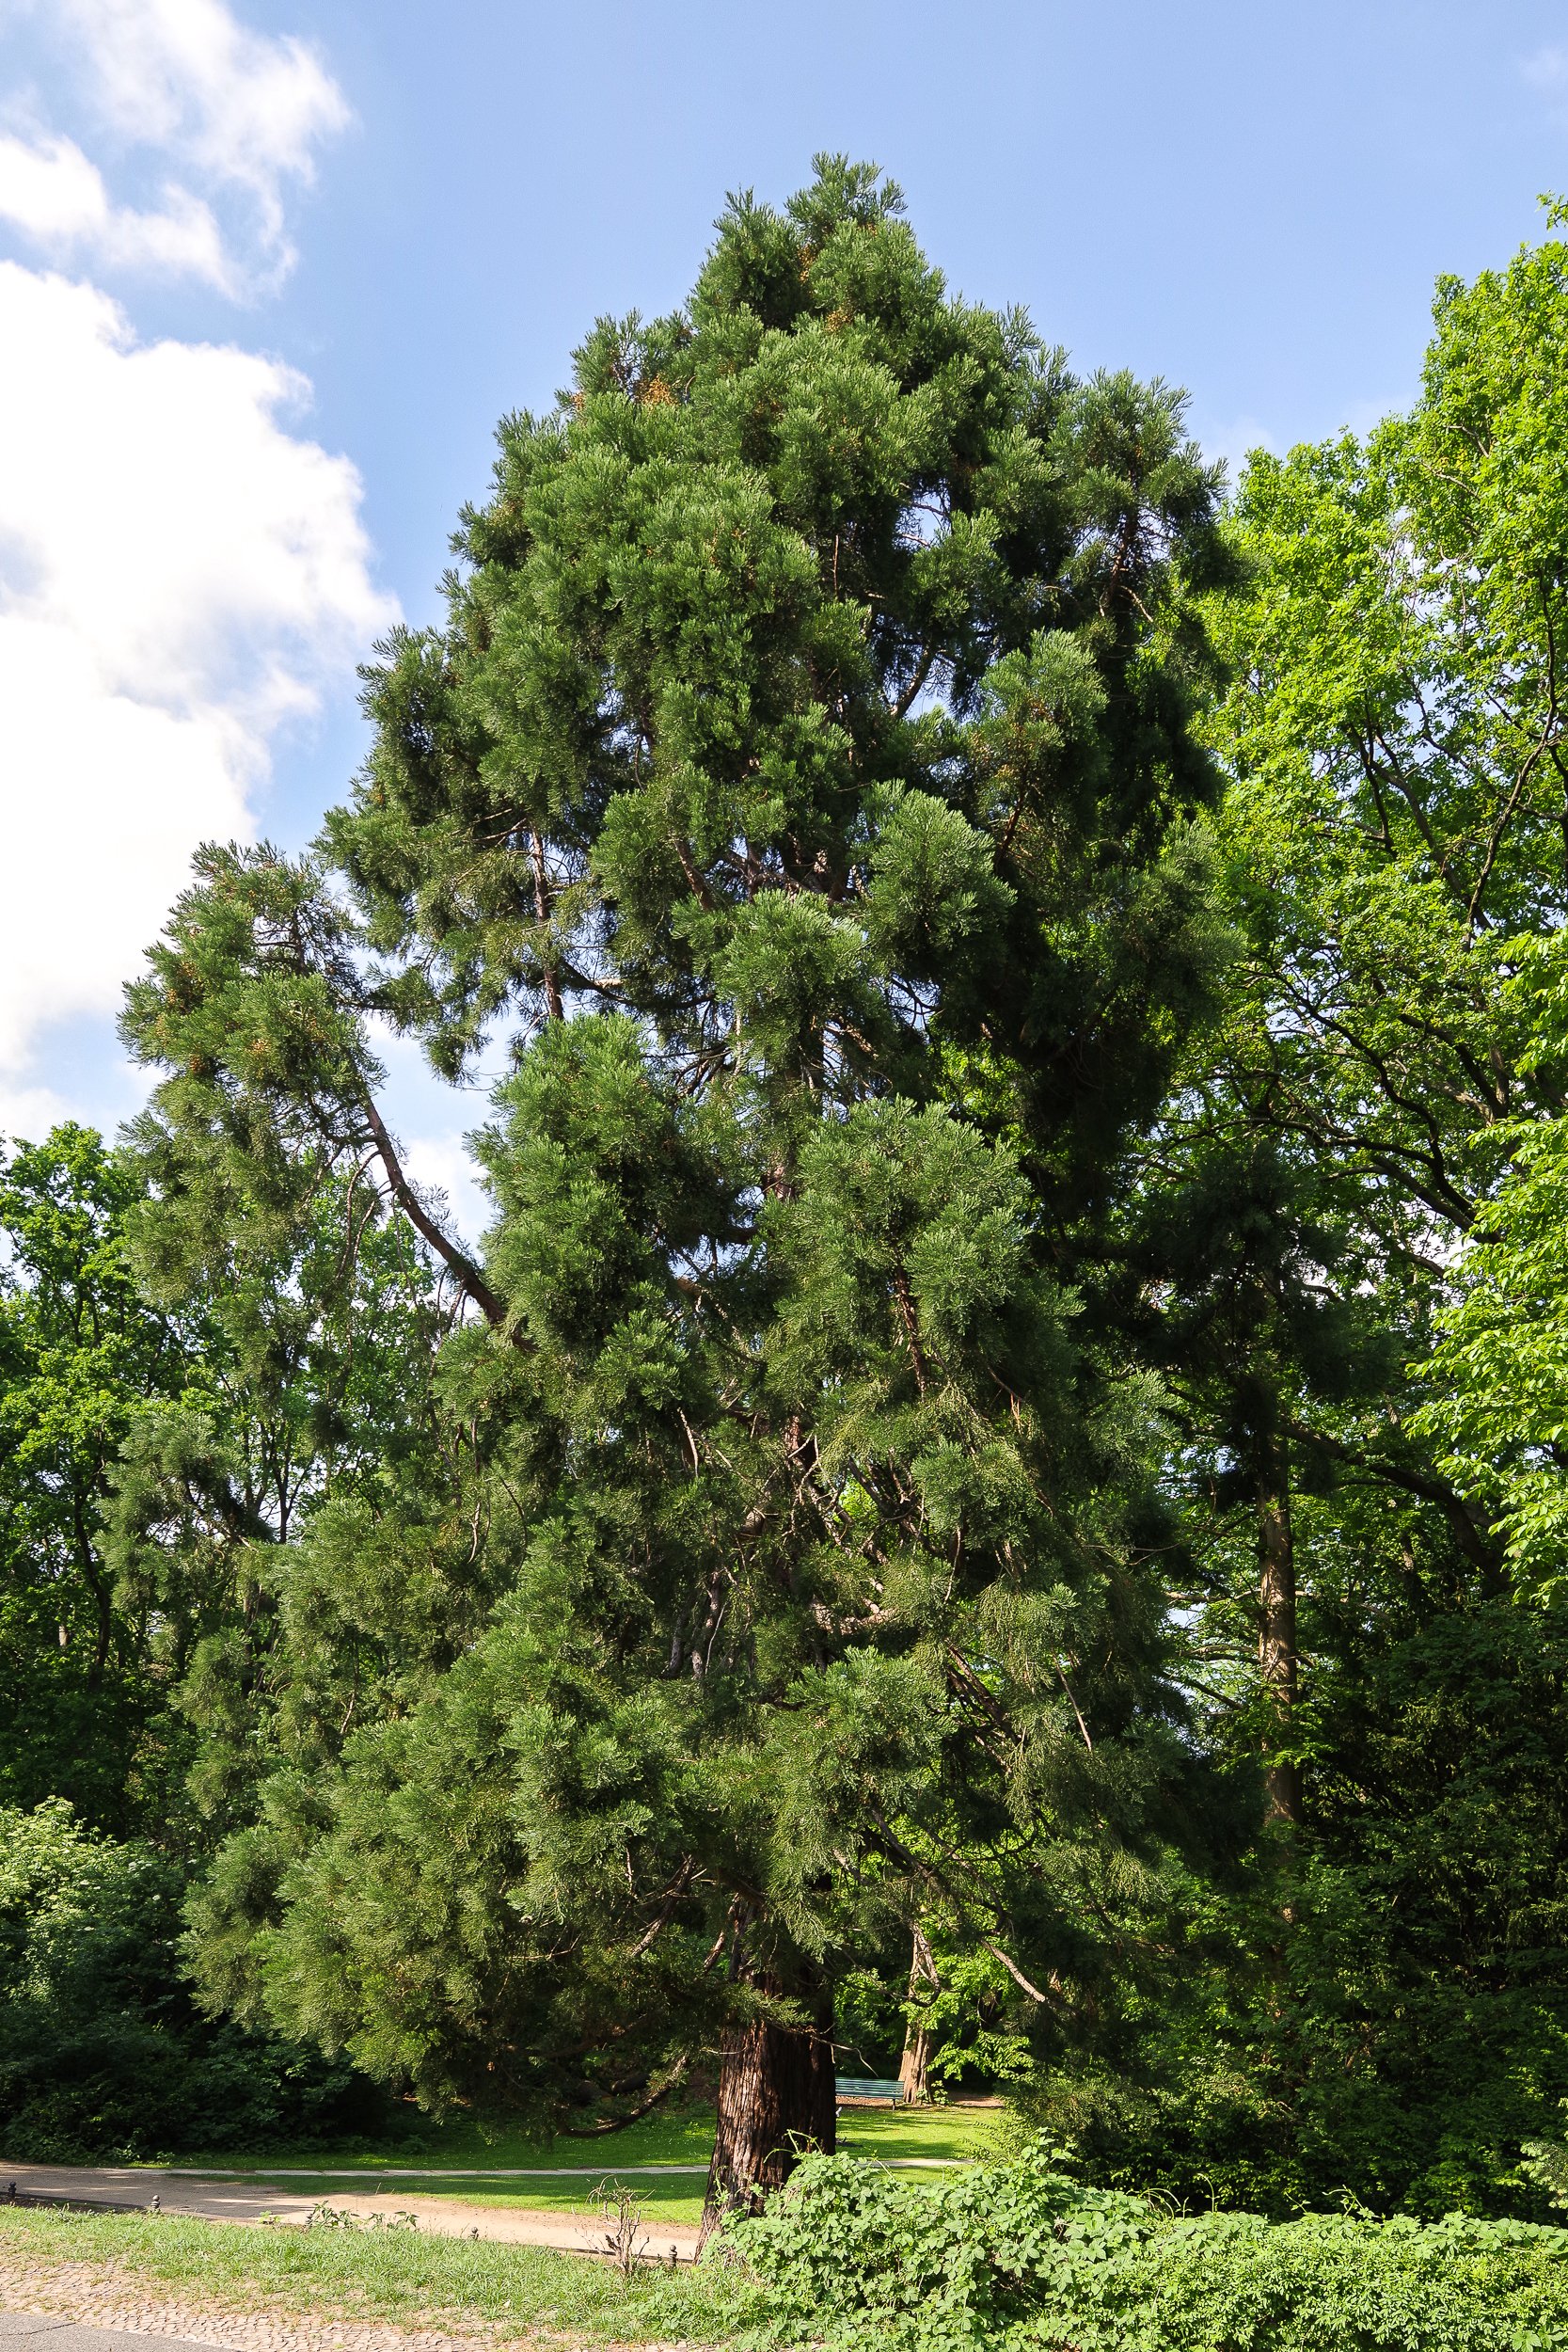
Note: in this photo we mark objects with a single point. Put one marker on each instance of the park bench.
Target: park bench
(866, 2090)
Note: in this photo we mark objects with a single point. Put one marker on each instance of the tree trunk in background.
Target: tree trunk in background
(917, 2038)
(1276, 1630)
(775, 2101)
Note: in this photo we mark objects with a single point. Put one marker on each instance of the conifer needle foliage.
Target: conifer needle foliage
(798, 799)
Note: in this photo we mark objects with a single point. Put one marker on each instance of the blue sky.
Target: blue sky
(271, 269)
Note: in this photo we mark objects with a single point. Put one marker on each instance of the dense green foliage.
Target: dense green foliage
(802, 788)
(101, 2050)
(995, 1489)
(1024, 2254)
(1034, 2260)
(153, 1448)
(1359, 1159)
(1405, 2029)
(79, 1352)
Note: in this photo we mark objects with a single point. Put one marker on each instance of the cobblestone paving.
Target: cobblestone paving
(72, 2297)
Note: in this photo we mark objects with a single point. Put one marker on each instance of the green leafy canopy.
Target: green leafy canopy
(802, 793)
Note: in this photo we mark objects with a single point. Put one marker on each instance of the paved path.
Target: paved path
(352, 2172)
(64, 2335)
(212, 2198)
(252, 2196)
(158, 2173)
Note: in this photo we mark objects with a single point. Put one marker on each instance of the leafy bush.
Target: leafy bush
(1545, 2161)
(101, 2053)
(1022, 2255)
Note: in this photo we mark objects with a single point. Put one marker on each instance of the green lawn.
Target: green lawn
(684, 2137)
(451, 2160)
(465, 2147)
(956, 2135)
(458, 2285)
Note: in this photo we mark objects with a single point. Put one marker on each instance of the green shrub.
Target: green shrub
(102, 2052)
(1020, 2254)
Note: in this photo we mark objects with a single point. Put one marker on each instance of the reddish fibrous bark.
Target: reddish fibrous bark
(775, 2102)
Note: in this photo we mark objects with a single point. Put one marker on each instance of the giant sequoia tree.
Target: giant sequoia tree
(801, 790)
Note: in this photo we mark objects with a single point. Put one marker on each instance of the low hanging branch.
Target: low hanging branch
(666, 1910)
(619, 2123)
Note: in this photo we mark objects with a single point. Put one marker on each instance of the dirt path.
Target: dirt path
(251, 2201)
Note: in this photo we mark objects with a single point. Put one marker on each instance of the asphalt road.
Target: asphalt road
(63, 2335)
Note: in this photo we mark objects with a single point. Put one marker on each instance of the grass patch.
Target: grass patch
(451, 2160)
(462, 2146)
(462, 2285)
(679, 2200)
(952, 2135)
(684, 2136)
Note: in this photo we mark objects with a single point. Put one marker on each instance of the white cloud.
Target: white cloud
(57, 195)
(48, 186)
(242, 113)
(30, 1111)
(180, 576)
(1234, 442)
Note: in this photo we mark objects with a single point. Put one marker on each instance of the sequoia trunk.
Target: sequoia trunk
(775, 2101)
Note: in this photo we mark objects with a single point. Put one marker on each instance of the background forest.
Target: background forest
(998, 1486)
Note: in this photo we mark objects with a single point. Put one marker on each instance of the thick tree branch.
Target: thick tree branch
(1018, 1976)
(619, 2123)
(1468, 1536)
(458, 1264)
(922, 672)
